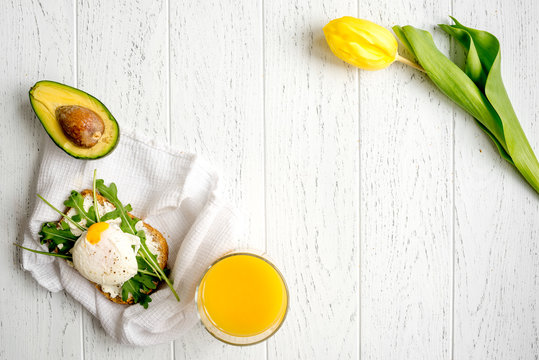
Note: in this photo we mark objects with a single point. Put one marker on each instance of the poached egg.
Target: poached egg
(105, 255)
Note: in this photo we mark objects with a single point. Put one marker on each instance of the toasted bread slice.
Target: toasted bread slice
(162, 248)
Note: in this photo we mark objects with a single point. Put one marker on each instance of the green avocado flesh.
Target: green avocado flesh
(46, 96)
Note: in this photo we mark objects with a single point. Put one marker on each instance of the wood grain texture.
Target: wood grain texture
(406, 136)
(122, 59)
(496, 211)
(122, 55)
(325, 165)
(217, 111)
(312, 192)
(37, 43)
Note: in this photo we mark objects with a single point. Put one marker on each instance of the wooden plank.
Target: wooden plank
(37, 44)
(496, 212)
(122, 60)
(312, 164)
(406, 208)
(122, 54)
(217, 112)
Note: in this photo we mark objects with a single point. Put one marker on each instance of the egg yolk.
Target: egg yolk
(94, 232)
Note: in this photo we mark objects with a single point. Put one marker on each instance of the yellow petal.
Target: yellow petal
(361, 43)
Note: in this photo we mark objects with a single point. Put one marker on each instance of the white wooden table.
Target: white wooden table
(401, 232)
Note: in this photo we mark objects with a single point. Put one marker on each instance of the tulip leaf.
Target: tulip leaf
(478, 89)
(499, 146)
(473, 67)
(488, 47)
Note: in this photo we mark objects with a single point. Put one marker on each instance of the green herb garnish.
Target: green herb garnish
(115, 214)
(96, 203)
(76, 201)
(140, 284)
(68, 218)
(111, 193)
(128, 226)
(44, 253)
(60, 239)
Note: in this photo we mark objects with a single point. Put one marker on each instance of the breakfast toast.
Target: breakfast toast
(162, 248)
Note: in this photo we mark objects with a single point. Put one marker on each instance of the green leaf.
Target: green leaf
(151, 260)
(479, 90)
(67, 218)
(132, 287)
(114, 214)
(94, 198)
(128, 287)
(76, 201)
(91, 214)
(488, 47)
(145, 300)
(501, 150)
(59, 235)
(111, 193)
(152, 265)
(518, 147)
(146, 280)
(128, 225)
(54, 237)
(451, 80)
(67, 257)
(473, 67)
(402, 37)
(138, 286)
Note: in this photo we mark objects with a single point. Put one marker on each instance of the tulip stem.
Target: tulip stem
(409, 63)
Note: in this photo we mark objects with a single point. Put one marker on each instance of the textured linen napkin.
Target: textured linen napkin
(174, 192)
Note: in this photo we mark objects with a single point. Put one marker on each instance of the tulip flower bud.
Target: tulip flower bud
(361, 43)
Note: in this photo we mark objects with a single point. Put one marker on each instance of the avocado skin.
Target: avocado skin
(74, 154)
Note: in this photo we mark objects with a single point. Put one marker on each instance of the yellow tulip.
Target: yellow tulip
(362, 43)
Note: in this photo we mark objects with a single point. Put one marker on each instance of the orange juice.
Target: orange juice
(242, 295)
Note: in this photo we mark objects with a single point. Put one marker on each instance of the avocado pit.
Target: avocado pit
(81, 125)
(76, 121)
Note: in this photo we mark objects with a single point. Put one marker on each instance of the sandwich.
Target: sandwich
(121, 255)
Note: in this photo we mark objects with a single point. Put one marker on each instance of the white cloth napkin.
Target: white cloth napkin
(174, 192)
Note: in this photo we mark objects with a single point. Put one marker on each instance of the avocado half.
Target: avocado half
(46, 96)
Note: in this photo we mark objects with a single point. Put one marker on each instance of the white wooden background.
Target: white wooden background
(401, 232)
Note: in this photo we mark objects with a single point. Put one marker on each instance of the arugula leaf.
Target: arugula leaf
(138, 286)
(54, 237)
(114, 214)
(68, 218)
(151, 260)
(76, 201)
(94, 197)
(144, 267)
(67, 257)
(127, 225)
(132, 287)
(111, 193)
(146, 280)
(145, 300)
(61, 240)
(91, 214)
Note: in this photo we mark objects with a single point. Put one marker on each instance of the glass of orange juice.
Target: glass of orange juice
(242, 298)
